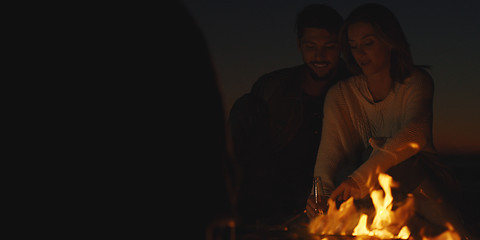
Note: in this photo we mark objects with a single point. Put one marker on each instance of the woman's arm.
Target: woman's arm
(337, 140)
(409, 140)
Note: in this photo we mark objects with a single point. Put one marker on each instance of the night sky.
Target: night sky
(248, 38)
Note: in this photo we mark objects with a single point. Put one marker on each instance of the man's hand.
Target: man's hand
(348, 188)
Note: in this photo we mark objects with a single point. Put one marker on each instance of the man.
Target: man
(276, 128)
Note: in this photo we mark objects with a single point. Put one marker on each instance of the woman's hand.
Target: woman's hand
(313, 209)
(348, 188)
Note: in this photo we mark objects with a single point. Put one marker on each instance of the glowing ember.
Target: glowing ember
(450, 234)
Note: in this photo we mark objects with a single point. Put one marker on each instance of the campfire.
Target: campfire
(385, 223)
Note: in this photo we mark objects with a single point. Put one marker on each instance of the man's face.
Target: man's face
(320, 51)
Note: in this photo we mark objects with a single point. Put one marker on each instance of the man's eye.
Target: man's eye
(369, 43)
(309, 46)
(353, 47)
(332, 46)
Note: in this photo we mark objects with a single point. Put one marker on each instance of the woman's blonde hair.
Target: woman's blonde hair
(389, 30)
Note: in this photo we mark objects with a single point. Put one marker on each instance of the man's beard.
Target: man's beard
(323, 78)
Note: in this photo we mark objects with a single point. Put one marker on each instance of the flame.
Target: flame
(404, 233)
(361, 228)
(414, 145)
(337, 221)
(386, 223)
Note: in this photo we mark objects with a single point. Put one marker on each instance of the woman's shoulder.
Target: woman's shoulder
(419, 82)
(349, 82)
(344, 87)
(420, 76)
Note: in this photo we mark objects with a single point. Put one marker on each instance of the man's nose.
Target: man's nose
(320, 53)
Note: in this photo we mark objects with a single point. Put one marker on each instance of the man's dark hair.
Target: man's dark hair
(318, 16)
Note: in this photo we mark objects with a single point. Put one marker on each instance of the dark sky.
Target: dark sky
(248, 38)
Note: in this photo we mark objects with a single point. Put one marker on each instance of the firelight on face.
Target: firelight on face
(320, 51)
(371, 53)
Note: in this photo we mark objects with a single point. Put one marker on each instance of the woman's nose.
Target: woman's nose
(359, 51)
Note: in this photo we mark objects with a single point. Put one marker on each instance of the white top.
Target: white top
(402, 123)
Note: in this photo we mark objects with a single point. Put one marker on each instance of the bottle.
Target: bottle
(318, 192)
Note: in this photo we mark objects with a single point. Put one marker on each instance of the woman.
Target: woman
(387, 106)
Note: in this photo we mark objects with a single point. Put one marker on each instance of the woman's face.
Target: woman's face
(371, 53)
